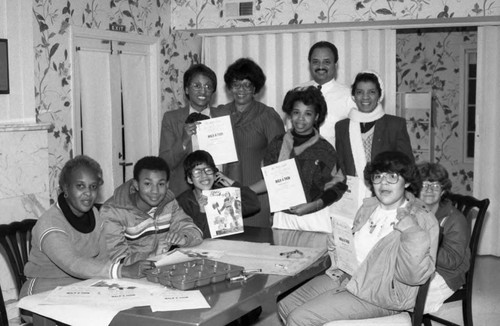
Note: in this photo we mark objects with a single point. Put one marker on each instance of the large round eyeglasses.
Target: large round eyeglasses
(433, 186)
(196, 173)
(390, 177)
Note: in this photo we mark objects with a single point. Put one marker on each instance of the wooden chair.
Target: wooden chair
(15, 239)
(468, 205)
(413, 318)
(4, 320)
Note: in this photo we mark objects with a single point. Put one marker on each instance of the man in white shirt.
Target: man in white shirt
(323, 59)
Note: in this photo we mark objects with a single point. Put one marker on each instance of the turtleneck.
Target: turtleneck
(84, 223)
(301, 139)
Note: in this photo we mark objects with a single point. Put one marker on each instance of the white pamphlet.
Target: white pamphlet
(283, 184)
(223, 210)
(216, 137)
(344, 244)
(352, 199)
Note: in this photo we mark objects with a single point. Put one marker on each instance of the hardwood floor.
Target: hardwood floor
(485, 304)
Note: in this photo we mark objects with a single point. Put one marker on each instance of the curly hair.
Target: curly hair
(397, 162)
(435, 172)
(196, 158)
(310, 96)
(79, 161)
(245, 68)
(199, 69)
(326, 45)
(153, 163)
(366, 77)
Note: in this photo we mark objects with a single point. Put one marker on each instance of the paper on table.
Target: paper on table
(112, 296)
(224, 216)
(344, 243)
(283, 184)
(216, 137)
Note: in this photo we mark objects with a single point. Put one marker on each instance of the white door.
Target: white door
(116, 106)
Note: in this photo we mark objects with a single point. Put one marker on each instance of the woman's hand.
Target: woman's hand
(406, 222)
(136, 270)
(189, 130)
(223, 180)
(306, 208)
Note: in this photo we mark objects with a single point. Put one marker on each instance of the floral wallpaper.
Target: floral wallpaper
(430, 62)
(197, 14)
(53, 93)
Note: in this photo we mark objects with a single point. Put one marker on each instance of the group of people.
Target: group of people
(332, 132)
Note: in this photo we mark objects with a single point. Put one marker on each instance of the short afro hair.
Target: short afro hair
(325, 45)
(153, 163)
(245, 68)
(77, 162)
(310, 96)
(397, 162)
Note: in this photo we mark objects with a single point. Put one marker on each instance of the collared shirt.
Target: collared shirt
(205, 111)
(339, 103)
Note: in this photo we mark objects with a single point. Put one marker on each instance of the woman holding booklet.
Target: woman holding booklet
(395, 245)
(254, 126)
(316, 160)
(179, 126)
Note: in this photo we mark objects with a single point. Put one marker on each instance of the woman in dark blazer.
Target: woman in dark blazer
(369, 130)
(178, 126)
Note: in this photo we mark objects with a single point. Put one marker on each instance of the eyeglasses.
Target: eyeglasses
(434, 186)
(197, 172)
(198, 87)
(392, 177)
(246, 86)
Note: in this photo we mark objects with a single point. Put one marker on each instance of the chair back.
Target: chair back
(15, 238)
(417, 315)
(471, 208)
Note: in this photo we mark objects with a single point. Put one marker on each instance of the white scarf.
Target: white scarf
(358, 150)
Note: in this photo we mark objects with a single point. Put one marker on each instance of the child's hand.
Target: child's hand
(175, 238)
(202, 201)
(223, 180)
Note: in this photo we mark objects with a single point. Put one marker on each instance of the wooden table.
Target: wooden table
(230, 301)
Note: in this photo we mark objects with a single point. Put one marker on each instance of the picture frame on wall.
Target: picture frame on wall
(4, 66)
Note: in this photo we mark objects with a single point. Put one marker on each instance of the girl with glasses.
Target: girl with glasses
(178, 128)
(254, 126)
(395, 241)
(453, 256)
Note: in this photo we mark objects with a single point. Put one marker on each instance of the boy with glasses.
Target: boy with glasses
(201, 174)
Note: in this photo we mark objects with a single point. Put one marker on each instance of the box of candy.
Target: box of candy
(193, 274)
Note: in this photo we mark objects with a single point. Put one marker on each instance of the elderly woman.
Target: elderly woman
(179, 126)
(68, 239)
(316, 160)
(254, 126)
(453, 257)
(395, 242)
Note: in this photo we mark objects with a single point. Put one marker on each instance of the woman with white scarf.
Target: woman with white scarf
(368, 130)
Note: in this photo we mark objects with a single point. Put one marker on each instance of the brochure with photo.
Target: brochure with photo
(223, 211)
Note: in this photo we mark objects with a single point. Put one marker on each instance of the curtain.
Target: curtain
(137, 123)
(487, 144)
(283, 57)
(96, 111)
